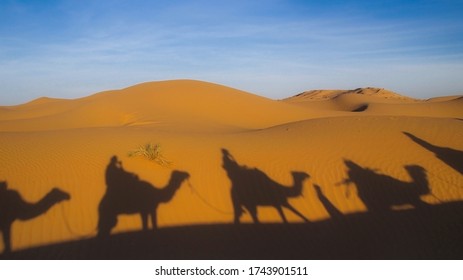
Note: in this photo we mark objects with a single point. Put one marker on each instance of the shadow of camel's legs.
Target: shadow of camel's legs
(6, 233)
(282, 215)
(237, 209)
(154, 219)
(253, 213)
(236, 219)
(144, 220)
(287, 205)
(105, 224)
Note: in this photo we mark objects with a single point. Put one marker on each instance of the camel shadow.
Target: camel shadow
(252, 188)
(13, 207)
(127, 194)
(451, 157)
(380, 192)
(421, 232)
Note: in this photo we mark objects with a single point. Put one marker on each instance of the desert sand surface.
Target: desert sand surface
(368, 155)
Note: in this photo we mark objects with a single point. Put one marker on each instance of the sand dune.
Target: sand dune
(354, 156)
(382, 93)
(376, 101)
(445, 98)
(170, 103)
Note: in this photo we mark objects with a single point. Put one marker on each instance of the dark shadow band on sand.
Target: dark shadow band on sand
(433, 232)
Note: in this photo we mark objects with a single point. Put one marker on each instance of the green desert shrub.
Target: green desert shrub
(151, 152)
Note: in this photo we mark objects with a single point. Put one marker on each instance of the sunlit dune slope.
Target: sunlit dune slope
(220, 135)
(76, 160)
(170, 103)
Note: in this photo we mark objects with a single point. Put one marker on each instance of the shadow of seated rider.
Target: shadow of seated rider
(126, 194)
(380, 192)
(117, 177)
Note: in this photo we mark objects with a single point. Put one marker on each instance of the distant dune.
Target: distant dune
(368, 152)
(330, 94)
(377, 102)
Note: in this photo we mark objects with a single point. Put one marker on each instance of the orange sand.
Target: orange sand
(69, 143)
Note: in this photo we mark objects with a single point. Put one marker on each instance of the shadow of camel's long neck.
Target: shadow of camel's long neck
(296, 189)
(168, 192)
(33, 210)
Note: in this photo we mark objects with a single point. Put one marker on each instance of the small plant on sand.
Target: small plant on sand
(151, 152)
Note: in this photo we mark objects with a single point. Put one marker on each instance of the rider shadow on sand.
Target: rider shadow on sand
(127, 194)
(452, 157)
(252, 188)
(330, 208)
(380, 192)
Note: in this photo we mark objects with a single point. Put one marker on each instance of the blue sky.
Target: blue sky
(273, 48)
